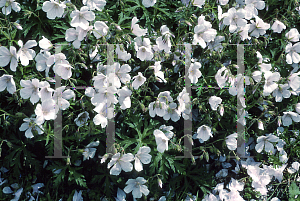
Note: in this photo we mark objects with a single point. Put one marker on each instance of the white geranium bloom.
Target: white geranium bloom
(260, 124)
(124, 97)
(101, 29)
(161, 140)
(292, 53)
(234, 19)
(203, 32)
(77, 35)
(94, 4)
(41, 62)
(265, 142)
(104, 113)
(281, 91)
(270, 84)
(294, 81)
(231, 141)
(82, 118)
(77, 196)
(294, 168)
(221, 79)
(288, 117)
(64, 70)
(25, 54)
(122, 54)
(172, 113)
(29, 125)
(148, 3)
(61, 97)
(46, 111)
(143, 48)
(194, 72)
(81, 18)
(137, 187)
(223, 2)
(7, 81)
(120, 163)
(46, 91)
(120, 195)
(199, 3)
(123, 73)
(157, 108)
(53, 8)
(203, 133)
(138, 80)
(9, 56)
(297, 108)
(136, 30)
(105, 95)
(216, 44)
(8, 5)
(258, 27)
(293, 35)
(214, 102)
(142, 157)
(31, 89)
(157, 71)
(278, 26)
(253, 6)
(89, 151)
(45, 44)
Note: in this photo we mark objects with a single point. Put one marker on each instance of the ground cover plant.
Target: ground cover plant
(149, 96)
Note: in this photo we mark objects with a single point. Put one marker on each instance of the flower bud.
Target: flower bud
(159, 182)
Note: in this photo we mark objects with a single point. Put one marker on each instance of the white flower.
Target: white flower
(292, 53)
(223, 2)
(94, 4)
(143, 48)
(297, 108)
(294, 81)
(199, 3)
(142, 156)
(82, 118)
(203, 32)
(221, 79)
(260, 124)
(123, 73)
(265, 142)
(214, 102)
(105, 95)
(194, 72)
(294, 168)
(161, 140)
(270, 84)
(8, 5)
(138, 80)
(216, 43)
(29, 125)
(89, 151)
(81, 18)
(103, 114)
(157, 108)
(278, 26)
(288, 116)
(281, 91)
(258, 28)
(253, 5)
(234, 19)
(124, 97)
(61, 97)
(25, 54)
(64, 70)
(31, 89)
(293, 35)
(231, 141)
(172, 113)
(136, 30)
(120, 163)
(46, 91)
(77, 196)
(120, 195)
(101, 29)
(122, 54)
(157, 71)
(9, 56)
(46, 111)
(41, 62)
(53, 9)
(7, 81)
(76, 35)
(137, 187)
(148, 3)
(203, 133)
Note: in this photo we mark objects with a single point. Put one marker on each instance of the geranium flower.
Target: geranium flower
(223, 2)
(46, 91)
(9, 56)
(270, 84)
(124, 97)
(136, 30)
(123, 73)
(172, 113)
(41, 62)
(161, 140)
(31, 89)
(120, 195)
(148, 3)
(77, 196)
(157, 108)
(103, 113)
(8, 5)
(157, 72)
(258, 27)
(122, 54)
(281, 91)
(214, 102)
(46, 111)
(25, 54)
(292, 53)
(89, 151)
(137, 187)
(138, 80)
(143, 48)
(61, 97)
(81, 18)
(278, 26)
(199, 3)
(7, 82)
(265, 142)
(64, 70)
(293, 35)
(142, 157)
(288, 117)
(45, 44)
(194, 72)
(203, 32)
(294, 81)
(30, 125)
(53, 8)
(120, 163)
(82, 118)
(76, 35)
(231, 141)
(101, 29)
(203, 133)
(234, 18)
(94, 4)
(253, 6)
(105, 95)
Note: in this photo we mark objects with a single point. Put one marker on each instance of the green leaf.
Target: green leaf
(294, 190)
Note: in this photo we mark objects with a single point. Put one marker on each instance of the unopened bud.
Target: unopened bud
(279, 121)
(159, 182)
